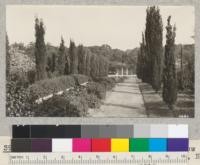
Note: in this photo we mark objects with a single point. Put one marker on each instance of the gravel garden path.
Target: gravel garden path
(125, 100)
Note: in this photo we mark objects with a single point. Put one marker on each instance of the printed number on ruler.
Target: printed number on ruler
(191, 158)
(99, 158)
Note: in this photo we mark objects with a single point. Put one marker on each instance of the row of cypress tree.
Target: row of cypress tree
(75, 60)
(149, 66)
(152, 66)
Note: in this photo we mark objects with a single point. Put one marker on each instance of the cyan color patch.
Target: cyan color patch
(157, 144)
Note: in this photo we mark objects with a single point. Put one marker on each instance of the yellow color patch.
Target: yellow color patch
(119, 145)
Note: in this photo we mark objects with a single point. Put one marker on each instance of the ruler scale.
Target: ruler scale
(98, 158)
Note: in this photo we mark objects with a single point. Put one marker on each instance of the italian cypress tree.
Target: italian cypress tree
(148, 34)
(61, 58)
(140, 60)
(7, 58)
(181, 85)
(138, 68)
(106, 67)
(169, 71)
(144, 60)
(81, 60)
(49, 64)
(40, 50)
(73, 58)
(154, 50)
(157, 51)
(102, 66)
(88, 59)
(97, 61)
(93, 66)
(67, 63)
(53, 62)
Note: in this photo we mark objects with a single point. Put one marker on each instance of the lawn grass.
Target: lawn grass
(155, 106)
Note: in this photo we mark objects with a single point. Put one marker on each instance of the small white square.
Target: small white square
(177, 131)
(61, 145)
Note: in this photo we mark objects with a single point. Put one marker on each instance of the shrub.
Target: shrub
(80, 79)
(108, 82)
(53, 107)
(77, 106)
(71, 104)
(31, 75)
(96, 88)
(17, 103)
(93, 101)
(48, 86)
(19, 78)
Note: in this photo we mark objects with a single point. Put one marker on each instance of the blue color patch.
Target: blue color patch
(157, 144)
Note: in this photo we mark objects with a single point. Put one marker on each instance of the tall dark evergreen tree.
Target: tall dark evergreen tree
(40, 50)
(81, 60)
(141, 66)
(169, 71)
(7, 58)
(88, 59)
(73, 58)
(49, 64)
(157, 51)
(94, 66)
(148, 34)
(61, 58)
(144, 60)
(67, 63)
(154, 50)
(139, 62)
(181, 85)
(53, 62)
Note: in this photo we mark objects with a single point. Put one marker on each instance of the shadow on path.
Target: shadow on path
(125, 100)
(134, 93)
(121, 105)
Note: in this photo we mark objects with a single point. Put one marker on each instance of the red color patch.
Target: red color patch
(101, 145)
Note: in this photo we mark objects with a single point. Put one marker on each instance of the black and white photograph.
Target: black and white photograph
(100, 61)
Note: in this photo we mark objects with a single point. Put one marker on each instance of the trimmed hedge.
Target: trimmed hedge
(21, 101)
(71, 104)
(50, 86)
(80, 78)
(97, 89)
(93, 101)
(108, 82)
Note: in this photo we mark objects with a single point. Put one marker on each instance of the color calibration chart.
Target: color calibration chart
(137, 144)
(99, 138)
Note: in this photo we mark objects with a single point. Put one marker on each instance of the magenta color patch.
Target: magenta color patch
(81, 145)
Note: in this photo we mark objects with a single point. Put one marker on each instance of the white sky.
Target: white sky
(118, 26)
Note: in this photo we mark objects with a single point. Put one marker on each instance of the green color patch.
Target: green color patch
(139, 145)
